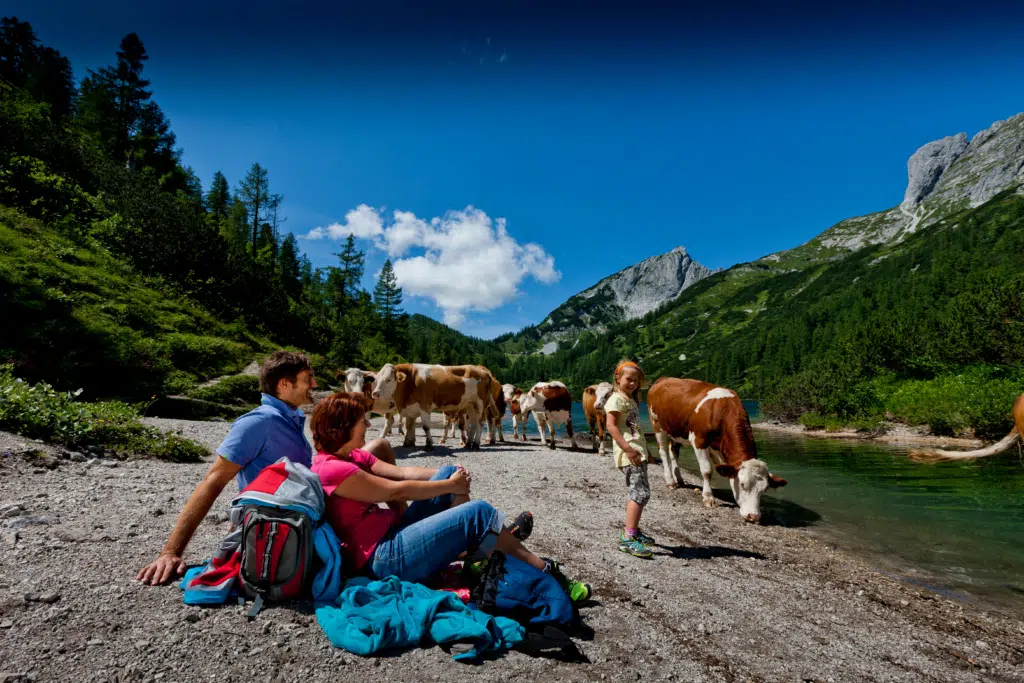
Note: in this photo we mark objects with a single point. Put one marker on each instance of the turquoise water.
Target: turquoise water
(955, 528)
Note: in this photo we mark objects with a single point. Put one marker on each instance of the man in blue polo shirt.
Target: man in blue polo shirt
(259, 438)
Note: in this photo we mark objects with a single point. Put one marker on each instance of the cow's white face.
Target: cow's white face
(604, 390)
(354, 380)
(752, 479)
(533, 400)
(387, 382)
(509, 391)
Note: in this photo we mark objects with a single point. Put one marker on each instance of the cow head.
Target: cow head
(602, 392)
(509, 391)
(387, 381)
(752, 479)
(356, 380)
(533, 400)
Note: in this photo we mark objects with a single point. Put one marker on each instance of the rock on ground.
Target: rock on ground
(721, 601)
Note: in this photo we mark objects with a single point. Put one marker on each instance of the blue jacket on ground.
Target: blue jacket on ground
(373, 616)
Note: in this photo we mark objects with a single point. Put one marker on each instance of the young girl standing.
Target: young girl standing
(630, 451)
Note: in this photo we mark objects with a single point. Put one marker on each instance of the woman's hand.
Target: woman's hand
(633, 455)
(460, 480)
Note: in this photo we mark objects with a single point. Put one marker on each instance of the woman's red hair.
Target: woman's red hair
(334, 418)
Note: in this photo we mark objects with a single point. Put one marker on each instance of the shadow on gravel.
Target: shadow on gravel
(707, 552)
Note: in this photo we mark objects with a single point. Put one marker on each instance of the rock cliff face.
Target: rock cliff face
(630, 293)
(928, 164)
(943, 177)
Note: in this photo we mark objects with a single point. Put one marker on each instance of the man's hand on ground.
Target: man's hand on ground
(161, 570)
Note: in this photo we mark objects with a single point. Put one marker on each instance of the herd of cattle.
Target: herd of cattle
(710, 418)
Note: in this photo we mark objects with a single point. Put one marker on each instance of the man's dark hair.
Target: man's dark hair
(281, 365)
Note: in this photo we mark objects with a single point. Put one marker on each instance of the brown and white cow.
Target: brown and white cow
(594, 398)
(418, 389)
(361, 382)
(492, 418)
(512, 395)
(716, 424)
(551, 405)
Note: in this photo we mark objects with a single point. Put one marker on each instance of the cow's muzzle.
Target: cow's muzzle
(752, 518)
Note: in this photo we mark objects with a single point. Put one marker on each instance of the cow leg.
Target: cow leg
(600, 437)
(668, 461)
(427, 421)
(444, 430)
(462, 429)
(571, 435)
(490, 430)
(410, 430)
(551, 428)
(501, 429)
(542, 425)
(704, 461)
(475, 430)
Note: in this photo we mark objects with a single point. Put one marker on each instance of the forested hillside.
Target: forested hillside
(927, 330)
(121, 274)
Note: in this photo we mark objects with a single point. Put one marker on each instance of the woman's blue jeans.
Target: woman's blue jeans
(431, 534)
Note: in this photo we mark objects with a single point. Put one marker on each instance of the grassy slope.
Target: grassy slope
(79, 318)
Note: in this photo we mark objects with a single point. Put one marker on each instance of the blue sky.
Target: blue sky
(604, 133)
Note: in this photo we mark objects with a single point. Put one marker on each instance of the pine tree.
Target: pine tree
(346, 280)
(289, 267)
(115, 99)
(218, 199)
(40, 70)
(254, 193)
(236, 228)
(387, 297)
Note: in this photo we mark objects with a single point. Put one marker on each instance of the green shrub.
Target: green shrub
(978, 399)
(38, 411)
(239, 390)
(178, 382)
(205, 355)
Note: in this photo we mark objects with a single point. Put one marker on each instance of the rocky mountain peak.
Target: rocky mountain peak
(926, 166)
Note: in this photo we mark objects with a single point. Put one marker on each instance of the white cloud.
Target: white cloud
(362, 221)
(469, 262)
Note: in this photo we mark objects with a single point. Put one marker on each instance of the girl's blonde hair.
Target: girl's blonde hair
(642, 384)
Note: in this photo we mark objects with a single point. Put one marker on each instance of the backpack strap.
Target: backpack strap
(257, 605)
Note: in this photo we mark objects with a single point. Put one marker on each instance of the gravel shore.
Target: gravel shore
(721, 601)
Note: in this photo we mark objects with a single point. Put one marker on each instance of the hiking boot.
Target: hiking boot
(639, 536)
(634, 547)
(522, 526)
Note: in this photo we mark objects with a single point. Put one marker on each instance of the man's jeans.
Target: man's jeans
(431, 534)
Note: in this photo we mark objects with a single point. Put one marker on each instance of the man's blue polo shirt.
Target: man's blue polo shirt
(263, 436)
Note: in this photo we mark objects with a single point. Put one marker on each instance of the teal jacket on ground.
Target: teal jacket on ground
(373, 616)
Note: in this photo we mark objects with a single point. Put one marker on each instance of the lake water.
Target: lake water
(955, 528)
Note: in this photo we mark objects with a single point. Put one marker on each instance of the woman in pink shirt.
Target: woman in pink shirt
(413, 544)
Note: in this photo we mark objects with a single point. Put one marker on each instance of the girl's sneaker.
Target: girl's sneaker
(634, 547)
(522, 526)
(644, 539)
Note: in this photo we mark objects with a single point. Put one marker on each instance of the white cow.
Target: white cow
(551, 405)
(361, 382)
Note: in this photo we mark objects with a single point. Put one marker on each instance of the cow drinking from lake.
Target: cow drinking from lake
(713, 420)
